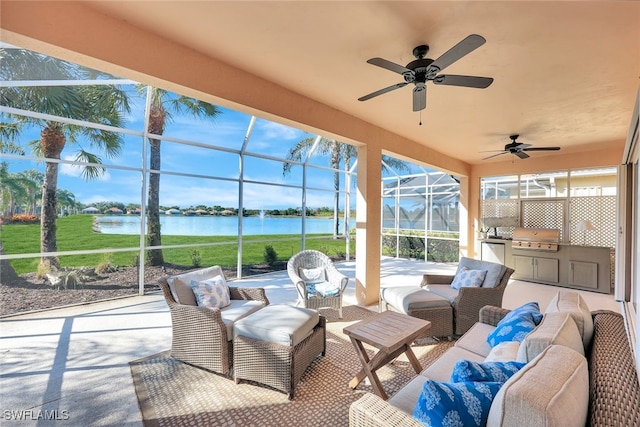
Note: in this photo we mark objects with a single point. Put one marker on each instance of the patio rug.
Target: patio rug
(171, 393)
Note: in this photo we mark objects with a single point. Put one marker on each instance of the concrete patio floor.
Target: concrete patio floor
(72, 364)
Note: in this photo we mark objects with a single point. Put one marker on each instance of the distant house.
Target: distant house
(173, 212)
(202, 212)
(114, 211)
(135, 211)
(190, 213)
(90, 210)
(227, 212)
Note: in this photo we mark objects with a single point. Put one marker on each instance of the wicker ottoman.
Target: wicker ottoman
(276, 344)
(420, 303)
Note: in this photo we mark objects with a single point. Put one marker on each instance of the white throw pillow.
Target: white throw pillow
(504, 352)
(212, 293)
(467, 278)
(311, 276)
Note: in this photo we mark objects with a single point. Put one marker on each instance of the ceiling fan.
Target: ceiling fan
(422, 69)
(518, 149)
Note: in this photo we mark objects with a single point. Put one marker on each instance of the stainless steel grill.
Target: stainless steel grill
(538, 239)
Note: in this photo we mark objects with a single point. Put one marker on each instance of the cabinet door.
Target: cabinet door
(545, 269)
(493, 252)
(523, 266)
(584, 274)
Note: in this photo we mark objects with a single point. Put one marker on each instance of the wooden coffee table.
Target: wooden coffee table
(392, 334)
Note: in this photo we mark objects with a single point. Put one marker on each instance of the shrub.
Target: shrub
(70, 278)
(270, 255)
(24, 219)
(106, 264)
(196, 260)
(324, 249)
(44, 268)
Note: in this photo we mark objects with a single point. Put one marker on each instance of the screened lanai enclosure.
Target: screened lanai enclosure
(420, 215)
(101, 174)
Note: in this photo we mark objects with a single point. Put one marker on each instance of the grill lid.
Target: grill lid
(542, 239)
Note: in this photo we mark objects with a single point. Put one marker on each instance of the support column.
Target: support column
(368, 224)
(470, 215)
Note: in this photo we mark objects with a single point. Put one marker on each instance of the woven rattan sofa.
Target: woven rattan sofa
(202, 336)
(310, 260)
(558, 387)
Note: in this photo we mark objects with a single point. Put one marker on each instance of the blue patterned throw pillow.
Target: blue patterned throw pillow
(455, 404)
(211, 292)
(468, 370)
(516, 324)
(467, 278)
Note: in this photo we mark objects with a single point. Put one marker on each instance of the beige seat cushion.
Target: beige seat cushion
(506, 351)
(573, 303)
(555, 328)
(475, 339)
(551, 390)
(278, 323)
(441, 369)
(408, 298)
(445, 291)
(238, 309)
(406, 398)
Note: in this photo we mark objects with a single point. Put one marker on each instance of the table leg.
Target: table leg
(413, 359)
(370, 366)
(368, 369)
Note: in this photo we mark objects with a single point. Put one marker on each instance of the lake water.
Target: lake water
(179, 225)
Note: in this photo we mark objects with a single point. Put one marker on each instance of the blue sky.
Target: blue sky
(229, 131)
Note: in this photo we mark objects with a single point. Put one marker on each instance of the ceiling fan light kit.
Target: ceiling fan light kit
(422, 69)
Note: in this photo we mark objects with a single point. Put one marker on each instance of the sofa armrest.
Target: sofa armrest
(614, 390)
(372, 411)
(436, 279)
(255, 294)
(491, 315)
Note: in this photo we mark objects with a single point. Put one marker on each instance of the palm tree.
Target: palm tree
(163, 104)
(337, 152)
(33, 185)
(104, 104)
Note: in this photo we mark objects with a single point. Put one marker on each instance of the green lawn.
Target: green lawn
(74, 233)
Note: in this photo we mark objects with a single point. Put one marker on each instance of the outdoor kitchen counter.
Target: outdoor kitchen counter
(572, 266)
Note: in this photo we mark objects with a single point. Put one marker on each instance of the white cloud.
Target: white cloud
(76, 171)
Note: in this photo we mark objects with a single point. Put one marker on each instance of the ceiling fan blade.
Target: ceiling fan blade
(542, 149)
(521, 154)
(419, 97)
(463, 48)
(495, 155)
(388, 65)
(381, 91)
(466, 81)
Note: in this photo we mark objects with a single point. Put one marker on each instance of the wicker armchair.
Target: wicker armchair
(199, 333)
(310, 259)
(468, 302)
